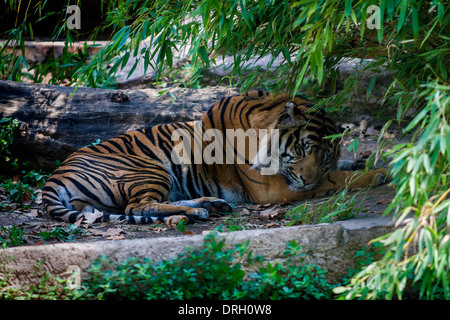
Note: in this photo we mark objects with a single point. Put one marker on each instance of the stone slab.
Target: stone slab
(331, 246)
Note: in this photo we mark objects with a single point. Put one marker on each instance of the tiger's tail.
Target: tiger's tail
(58, 208)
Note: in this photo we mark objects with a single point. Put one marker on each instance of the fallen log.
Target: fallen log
(54, 123)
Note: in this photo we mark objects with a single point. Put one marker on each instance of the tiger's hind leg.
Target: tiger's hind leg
(153, 211)
(147, 210)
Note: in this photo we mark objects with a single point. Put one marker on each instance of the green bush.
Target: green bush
(13, 236)
(8, 128)
(212, 271)
(18, 192)
(21, 192)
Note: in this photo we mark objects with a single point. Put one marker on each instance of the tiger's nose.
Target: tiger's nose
(306, 181)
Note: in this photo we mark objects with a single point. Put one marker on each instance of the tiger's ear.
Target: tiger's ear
(292, 116)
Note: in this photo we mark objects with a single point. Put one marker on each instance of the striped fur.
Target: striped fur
(132, 177)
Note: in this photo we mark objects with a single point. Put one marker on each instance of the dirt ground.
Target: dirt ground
(38, 228)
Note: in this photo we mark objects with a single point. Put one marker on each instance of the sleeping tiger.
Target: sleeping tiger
(134, 177)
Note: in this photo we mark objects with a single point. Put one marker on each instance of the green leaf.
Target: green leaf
(206, 15)
(448, 217)
(124, 59)
(348, 8)
(402, 15)
(114, 67)
(146, 61)
(30, 29)
(318, 64)
(430, 31)
(417, 119)
(370, 87)
(443, 144)
(441, 12)
(353, 147)
(380, 32)
(390, 7)
(412, 185)
(169, 55)
(302, 74)
(415, 22)
(24, 61)
(204, 55)
(146, 29)
(133, 68)
(124, 33)
(426, 163)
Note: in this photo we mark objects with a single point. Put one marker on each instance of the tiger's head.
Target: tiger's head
(304, 156)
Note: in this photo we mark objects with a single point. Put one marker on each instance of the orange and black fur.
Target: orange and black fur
(132, 177)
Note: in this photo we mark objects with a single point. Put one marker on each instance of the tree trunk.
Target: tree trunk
(54, 123)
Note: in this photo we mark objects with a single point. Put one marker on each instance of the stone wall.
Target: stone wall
(330, 246)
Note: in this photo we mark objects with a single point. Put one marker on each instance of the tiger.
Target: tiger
(134, 177)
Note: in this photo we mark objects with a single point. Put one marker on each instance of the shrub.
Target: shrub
(208, 272)
(8, 128)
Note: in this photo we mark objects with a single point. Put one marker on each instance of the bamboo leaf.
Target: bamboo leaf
(390, 9)
(417, 119)
(415, 22)
(412, 186)
(380, 31)
(204, 55)
(430, 31)
(133, 68)
(24, 61)
(123, 37)
(30, 29)
(114, 67)
(426, 163)
(348, 8)
(448, 217)
(353, 147)
(169, 55)
(302, 74)
(124, 59)
(402, 15)
(370, 87)
(441, 12)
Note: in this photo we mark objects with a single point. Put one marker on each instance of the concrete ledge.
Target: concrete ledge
(331, 246)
